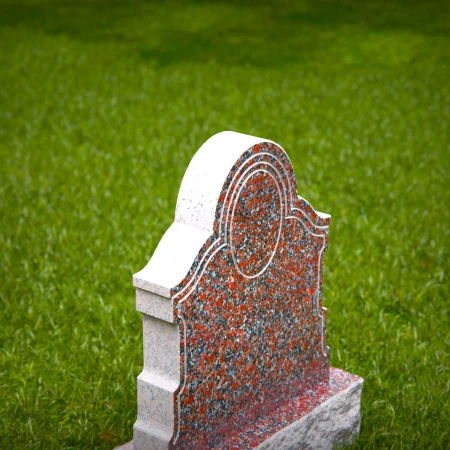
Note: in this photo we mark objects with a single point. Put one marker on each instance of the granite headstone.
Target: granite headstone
(235, 352)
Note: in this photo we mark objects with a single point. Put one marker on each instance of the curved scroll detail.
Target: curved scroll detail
(256, 282)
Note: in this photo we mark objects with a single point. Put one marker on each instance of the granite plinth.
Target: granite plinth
(323, 417)
(127, 446)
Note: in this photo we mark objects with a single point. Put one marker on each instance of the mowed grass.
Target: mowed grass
(102, 106)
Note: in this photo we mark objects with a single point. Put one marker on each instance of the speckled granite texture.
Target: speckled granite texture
(325, 416)
(234, 328)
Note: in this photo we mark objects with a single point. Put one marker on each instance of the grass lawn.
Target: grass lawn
(102, 106)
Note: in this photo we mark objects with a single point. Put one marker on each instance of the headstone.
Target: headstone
(235, 352)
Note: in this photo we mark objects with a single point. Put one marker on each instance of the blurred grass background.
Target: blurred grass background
(102, 106)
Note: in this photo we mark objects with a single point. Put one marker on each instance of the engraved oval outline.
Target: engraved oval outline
(280, 226)
(244, 168)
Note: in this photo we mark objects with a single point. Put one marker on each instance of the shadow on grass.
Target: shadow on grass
(231, 32)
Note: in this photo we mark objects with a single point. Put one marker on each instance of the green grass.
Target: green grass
(102, 105)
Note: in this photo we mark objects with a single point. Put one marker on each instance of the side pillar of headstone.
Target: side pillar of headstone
(235, 353)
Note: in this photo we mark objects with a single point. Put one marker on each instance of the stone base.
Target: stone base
(333, 423)
(322, 418)
(127, 446)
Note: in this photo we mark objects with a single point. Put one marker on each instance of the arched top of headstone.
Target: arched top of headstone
(237, 191)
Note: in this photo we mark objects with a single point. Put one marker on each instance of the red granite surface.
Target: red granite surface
(250, 315)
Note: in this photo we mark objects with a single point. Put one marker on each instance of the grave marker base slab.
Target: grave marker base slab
(323, 417)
